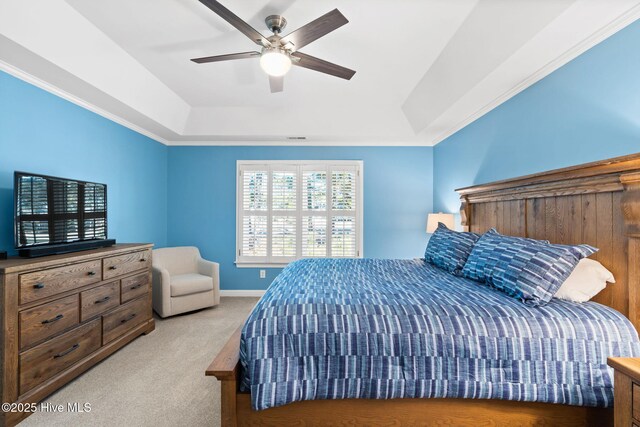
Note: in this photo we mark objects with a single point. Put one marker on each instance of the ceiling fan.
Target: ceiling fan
(279, 53)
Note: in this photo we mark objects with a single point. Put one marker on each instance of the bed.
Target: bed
(473, 334)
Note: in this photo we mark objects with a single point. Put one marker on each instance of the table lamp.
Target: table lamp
(434, 218)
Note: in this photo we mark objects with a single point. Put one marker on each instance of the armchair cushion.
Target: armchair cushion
(180, 260)
(190, 283)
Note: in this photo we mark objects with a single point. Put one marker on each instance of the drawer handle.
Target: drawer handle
(139, 285)
(64, 353)
(91, 273)
(129, 317)
(38, 286)
(55, 319)
(101, 300)
(113, 267)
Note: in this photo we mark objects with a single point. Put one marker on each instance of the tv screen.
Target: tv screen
(50, 210)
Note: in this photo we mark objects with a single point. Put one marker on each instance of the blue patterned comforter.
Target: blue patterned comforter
(382, 329)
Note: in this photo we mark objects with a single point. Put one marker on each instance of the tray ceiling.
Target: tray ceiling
(425, 68)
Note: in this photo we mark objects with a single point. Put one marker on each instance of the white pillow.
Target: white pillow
(587, 279)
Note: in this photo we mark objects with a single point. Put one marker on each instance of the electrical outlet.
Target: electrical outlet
(263, 274)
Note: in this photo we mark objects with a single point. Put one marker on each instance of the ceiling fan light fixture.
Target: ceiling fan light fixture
(279, 53)
(275, 62)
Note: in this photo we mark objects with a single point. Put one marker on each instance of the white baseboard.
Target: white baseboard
(241, 293)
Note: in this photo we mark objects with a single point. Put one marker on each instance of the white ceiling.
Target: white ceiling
(425, 68)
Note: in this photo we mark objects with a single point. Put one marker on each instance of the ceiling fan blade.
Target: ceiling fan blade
(228, 57)
(315, 29)
(234, 20)
(276, 84)
(317, 64)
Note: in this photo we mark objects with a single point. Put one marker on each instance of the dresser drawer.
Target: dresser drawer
(124, 318)
(98, 300)
(123, 264)
(45, 283)
(134, 286)
(46, 360)
(46, 320)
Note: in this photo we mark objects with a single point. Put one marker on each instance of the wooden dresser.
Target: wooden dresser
(626, 403)
(62, 314)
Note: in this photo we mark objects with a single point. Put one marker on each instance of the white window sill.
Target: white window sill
(259, 265)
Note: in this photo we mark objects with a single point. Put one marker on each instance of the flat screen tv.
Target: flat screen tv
(58, 215)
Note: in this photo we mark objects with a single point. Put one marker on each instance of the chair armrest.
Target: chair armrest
(208, 268)
(211, 269)
(161, 294)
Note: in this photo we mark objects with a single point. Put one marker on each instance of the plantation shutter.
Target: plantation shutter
(284, 213)
(343, 208)
(291, 210)
(254, 182)
(314, 211)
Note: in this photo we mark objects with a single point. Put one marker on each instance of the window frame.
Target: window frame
(299, 166)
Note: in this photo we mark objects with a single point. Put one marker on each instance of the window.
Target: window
(298, 209)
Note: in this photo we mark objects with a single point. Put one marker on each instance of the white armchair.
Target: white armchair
(183, 281)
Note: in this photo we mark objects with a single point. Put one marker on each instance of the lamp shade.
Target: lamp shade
(434, 218)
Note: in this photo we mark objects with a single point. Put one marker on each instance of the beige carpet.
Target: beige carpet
(158, 379)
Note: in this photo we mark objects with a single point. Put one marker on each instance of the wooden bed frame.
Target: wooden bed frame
(596, 203)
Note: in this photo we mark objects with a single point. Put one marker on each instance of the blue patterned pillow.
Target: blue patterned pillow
(526, 269)
(477, 268)
(448, 249)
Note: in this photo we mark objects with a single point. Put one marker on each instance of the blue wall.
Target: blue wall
(42, 133)
(585, 111)
(186, 195)
(202, 194)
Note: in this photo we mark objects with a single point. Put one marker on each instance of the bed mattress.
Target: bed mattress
(384, 329)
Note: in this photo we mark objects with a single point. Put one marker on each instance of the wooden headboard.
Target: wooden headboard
(595, 203)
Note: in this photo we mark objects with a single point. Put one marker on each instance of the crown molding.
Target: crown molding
(605, 32)
(299, 143)
(35, 81)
